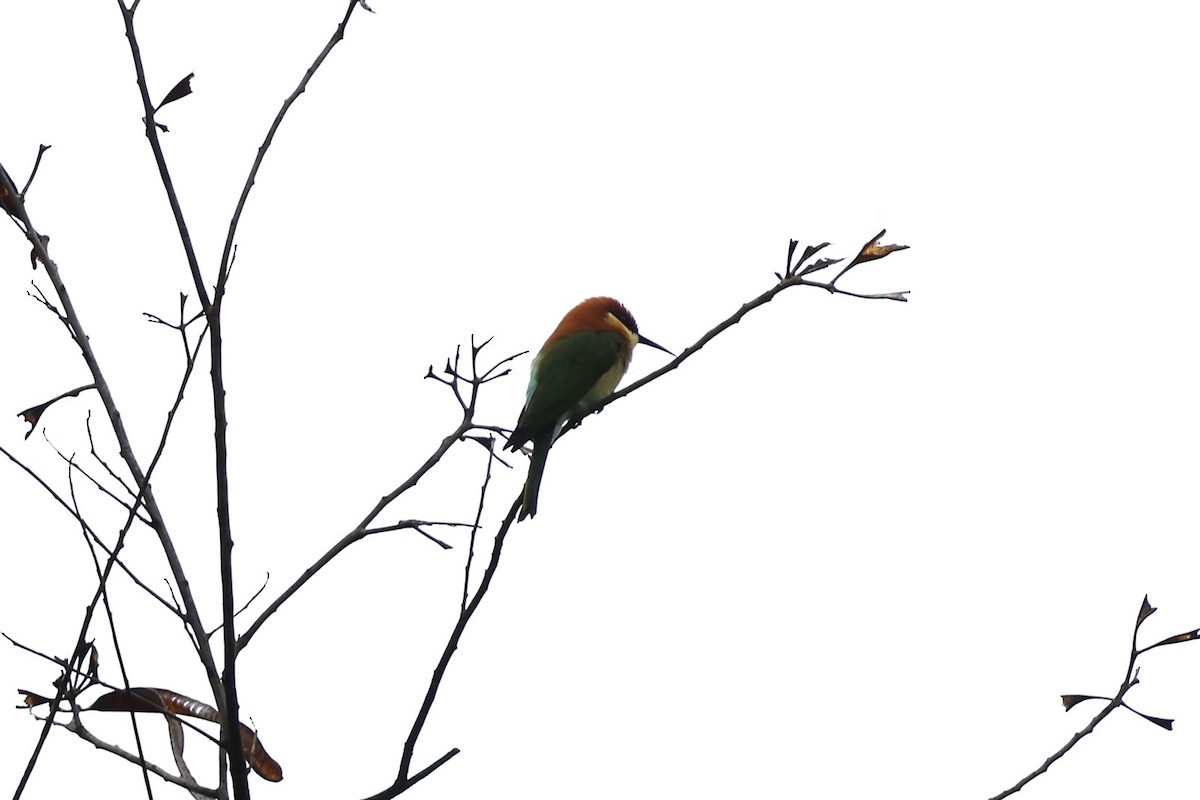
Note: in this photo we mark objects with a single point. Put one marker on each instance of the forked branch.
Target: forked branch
(1116, 701)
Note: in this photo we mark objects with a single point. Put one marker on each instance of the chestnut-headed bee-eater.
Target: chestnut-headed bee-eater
(580, 364)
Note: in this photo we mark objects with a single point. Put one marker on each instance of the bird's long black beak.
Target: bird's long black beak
(655, 345)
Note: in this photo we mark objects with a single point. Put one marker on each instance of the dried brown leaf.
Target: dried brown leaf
(32, 415)
(164, 701)
(32, 699)
(873, 250)
(262, 763)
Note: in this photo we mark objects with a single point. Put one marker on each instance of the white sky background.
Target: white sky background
(852, 548)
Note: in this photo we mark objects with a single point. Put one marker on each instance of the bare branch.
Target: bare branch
(95, 537)
(42, 148)
(1091, 726)
(1131, 679)
(227, 255)
(350, 538)
(96, 483)
(465, 426)
(77, 727)
(792, 277)
(405, 778)
(93, 670)
(33, 415)
(487, 478)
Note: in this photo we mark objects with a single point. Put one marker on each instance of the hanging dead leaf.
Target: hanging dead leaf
(262, 763)
(164, 701)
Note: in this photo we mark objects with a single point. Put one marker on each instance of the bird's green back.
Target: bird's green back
(568, 378)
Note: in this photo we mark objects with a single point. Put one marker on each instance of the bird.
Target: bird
(579, 365)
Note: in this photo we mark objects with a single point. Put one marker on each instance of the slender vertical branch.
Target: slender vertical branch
(229, 726)
(232, 737)
(160, 159)
(112, 626)
(227, 254)
(439, 672)
(228, 699)
(405, 777)
(487, 478)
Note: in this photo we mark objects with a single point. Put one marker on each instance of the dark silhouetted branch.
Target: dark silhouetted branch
(1116, 701)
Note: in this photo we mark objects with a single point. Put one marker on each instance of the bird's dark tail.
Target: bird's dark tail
(537, 465)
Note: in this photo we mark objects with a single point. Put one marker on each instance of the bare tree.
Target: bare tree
(126, 482)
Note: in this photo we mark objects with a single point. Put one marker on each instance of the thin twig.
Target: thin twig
(487, 478)
(42, 148)
(103, 463)
(247, 604)
(1118, 700)
(185, 237)
(227, 255)
(112, 628)
(95, 537)
(405, 778)
(787, 280)
(465, 426)
(96, 483)
(76, 727)
(350, 538)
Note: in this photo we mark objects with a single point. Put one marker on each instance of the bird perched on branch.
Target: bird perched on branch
(580, 364)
